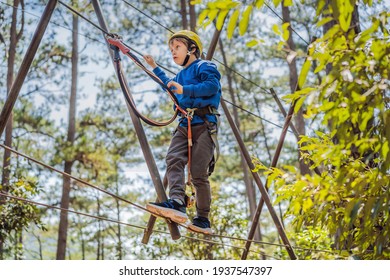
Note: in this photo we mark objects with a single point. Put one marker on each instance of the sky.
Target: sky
(93, 70)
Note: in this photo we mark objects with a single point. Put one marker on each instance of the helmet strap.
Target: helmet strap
(187, 58)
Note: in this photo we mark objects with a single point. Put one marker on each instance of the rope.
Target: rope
(143, 208)
(135, 8)
(74, 178)
(122, 223)
(130, 101)
(253, 114)
(120, 198)
(162, 66)
(292, 29)
(220, 62)
(265, 90)
(170, 30)
(83, 17)
(115, 40)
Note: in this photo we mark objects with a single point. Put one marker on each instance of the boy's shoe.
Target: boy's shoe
(172, 209)
(201, 225)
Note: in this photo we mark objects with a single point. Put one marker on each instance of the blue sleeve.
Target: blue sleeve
(209, 81)
(164, 78)
(161, 74)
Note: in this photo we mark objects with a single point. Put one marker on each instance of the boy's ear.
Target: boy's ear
(192, 48)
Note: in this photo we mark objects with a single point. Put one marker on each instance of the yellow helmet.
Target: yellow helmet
(192, 36)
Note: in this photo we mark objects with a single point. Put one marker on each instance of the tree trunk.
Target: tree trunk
(355, 22)
(14, 39)
(98, 234)
(249, 186)
(40, 248)
(16, 245)
(63, 227)
(81, 238)
(183, 12)
(192, 16)
(102, 247)
(119, 233)
(325, 29)
(299, 120)
(355, 26)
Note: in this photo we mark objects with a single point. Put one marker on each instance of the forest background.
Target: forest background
(331, 185)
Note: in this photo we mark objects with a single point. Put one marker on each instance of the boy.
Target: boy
(197, 85)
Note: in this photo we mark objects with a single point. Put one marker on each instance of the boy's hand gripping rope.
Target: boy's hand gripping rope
(117, 45)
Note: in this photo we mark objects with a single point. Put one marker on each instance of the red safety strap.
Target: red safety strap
(116, 41)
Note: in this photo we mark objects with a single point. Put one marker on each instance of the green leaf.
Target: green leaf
(252, 43)
(327, 106)
(274, 173)
(385, 149)
(277, 2)
(243, 25)
(320, 6)
(232, 23)
(222, 4)
(276, 30)
(286, 31)
(213, 14)
(221, 19)
(379, 48)
(367, 116)
(324, 21)
(296, 207)
(344, 23)
(259, 3)
(299, 104)
(304, 71)
(367, 34)
(345, 9)
(307, 204)
(203, 16)
(232, 5)
(298, 94)
(331, 33)
(323, 59)
(288, 3)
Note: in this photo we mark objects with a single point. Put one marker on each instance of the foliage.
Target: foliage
(312, 243)
(230, 221)
(220, 9)
(350, 198)
(17, 215)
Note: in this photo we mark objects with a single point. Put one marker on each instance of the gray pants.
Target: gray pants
(177, 158)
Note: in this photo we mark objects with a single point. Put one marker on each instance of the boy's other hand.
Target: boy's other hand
(149, 60)
(175, 87)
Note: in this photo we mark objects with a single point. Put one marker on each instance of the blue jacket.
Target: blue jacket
(201, 87)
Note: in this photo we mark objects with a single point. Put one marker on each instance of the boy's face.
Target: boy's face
(178, 50)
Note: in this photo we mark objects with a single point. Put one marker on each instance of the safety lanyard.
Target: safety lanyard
(117, 44)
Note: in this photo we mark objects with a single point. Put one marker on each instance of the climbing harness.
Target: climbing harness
(117, 45)
(212, 129)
